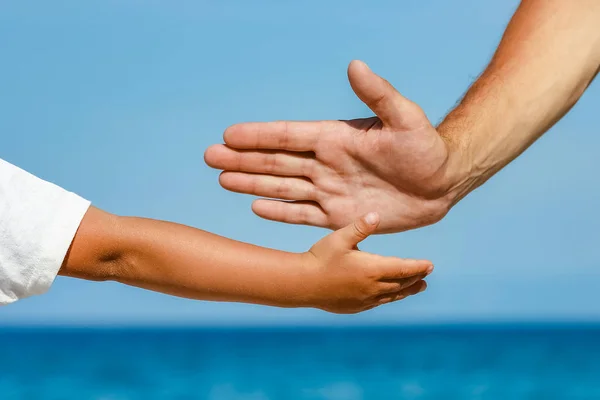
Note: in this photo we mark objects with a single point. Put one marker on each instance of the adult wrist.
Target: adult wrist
(460, 174)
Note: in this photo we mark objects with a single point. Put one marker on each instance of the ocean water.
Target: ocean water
(484, 362)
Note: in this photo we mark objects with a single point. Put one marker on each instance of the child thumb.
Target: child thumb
(358, 230)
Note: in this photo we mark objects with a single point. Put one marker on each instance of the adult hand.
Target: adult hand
(332, 172)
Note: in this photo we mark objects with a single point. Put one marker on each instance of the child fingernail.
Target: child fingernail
(429, 270)
(371, 218)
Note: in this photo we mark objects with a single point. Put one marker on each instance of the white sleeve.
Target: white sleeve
(38, 221)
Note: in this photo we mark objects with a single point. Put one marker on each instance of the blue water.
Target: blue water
(259, 364)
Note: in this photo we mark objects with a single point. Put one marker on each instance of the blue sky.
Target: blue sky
(117, 100)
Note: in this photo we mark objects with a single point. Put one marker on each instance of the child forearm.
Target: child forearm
(182, 261)
(187, 262)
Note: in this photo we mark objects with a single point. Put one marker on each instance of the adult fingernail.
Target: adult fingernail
(429, 270)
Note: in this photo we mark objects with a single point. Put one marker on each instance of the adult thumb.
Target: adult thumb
(382, 98)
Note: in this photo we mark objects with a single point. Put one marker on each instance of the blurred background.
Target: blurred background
(117, 101)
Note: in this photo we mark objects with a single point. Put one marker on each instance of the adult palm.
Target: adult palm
(328, 173)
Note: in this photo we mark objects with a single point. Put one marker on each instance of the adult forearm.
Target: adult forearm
(182, 261)
(548, 56)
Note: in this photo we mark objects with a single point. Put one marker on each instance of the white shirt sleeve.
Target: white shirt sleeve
(38, 221)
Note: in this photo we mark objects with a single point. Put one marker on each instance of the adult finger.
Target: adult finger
(278, 135)
(269, 162)
(294, 212)
(274, 187)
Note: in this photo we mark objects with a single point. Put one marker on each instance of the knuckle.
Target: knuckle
(378, 99)
(402, 272)
(239, 162)
(307, 167)
(371, 291)
(359, 229)
(270, 163)
(378, 273)
(283, 188)
(253, 185)
(364, 293)
(312, 193)
(392, 287)
(278, 161)
(405, 283)
(284, 138)
(385, 300)
(303, 216)
(372, 271)
(372, 275)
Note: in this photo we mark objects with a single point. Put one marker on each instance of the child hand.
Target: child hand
(345, 280)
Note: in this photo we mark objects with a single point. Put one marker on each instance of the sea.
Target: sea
(495, 362)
